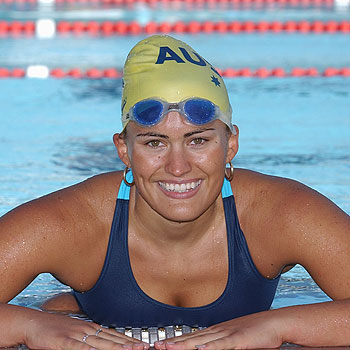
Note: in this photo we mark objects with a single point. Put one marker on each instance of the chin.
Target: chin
(180, 215)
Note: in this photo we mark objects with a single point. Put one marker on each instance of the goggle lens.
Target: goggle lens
(199, 111)
(148, 112)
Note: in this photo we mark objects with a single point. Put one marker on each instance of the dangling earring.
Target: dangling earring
(124, 178)
(230, 176)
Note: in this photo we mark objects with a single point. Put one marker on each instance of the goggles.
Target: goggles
(198, 111)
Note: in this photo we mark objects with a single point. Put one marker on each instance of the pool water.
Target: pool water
(55, 133)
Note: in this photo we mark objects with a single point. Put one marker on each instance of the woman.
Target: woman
(172, 249)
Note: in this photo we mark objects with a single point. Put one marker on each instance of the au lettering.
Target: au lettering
(167, 54)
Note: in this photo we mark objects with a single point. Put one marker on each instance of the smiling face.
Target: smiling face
(178, 167)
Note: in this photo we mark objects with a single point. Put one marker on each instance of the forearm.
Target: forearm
(322, 324)
(12, 323)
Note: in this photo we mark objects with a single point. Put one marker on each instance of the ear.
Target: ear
(232, 145)
(122, 148)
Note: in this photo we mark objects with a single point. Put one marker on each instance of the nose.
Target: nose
(177, 162)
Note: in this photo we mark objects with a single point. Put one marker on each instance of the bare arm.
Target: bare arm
(319, 234)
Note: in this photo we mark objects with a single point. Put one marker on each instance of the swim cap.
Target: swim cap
(163, 67)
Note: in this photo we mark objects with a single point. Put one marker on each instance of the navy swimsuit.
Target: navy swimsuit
(116, 300)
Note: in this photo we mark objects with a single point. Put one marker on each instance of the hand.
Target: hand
(254, 331)
(59, 332)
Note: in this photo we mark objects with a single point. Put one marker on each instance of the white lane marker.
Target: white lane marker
(37, 71)
(45, 28)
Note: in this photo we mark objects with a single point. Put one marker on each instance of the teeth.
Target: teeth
(179, 187)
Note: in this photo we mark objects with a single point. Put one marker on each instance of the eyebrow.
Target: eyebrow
(197, 132)
(152, 134)
(189, 134)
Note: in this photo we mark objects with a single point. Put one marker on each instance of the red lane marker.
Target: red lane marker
(4, 73)
(167, 28)
(229, 73)
(121, 28)
(235, 27)
(180, 27)
(312, 72)
(262, 26)
(111, 73)
(135, 28)
(345, 72)
(278, 72)
(262, 73)
(194, 27)
(63, 27)
(18, 73)
(151, 28)
(94, 73)
(108, 28)
(248, 27)
(331, 72)
(245, 72)
(344, 27)
(57, 73)
(276, 27)
(75, 73)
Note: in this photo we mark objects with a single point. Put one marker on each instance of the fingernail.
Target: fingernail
(159, 342)
(200, 346)
(170, 343)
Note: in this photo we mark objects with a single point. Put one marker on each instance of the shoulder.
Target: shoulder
(294, 223)
(53, 232)
(259, 194)
(89, 195)
(265, 194)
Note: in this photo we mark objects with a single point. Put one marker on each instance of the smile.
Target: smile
(180, 188)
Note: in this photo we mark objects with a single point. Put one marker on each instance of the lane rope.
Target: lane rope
(48, 28)
(44, 72)
(242, 2)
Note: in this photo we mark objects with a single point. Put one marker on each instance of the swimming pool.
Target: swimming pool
(57, 132)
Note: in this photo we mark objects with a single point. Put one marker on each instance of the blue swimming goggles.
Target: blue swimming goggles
(150, 112)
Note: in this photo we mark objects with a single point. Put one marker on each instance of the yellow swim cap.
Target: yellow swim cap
(163, 67)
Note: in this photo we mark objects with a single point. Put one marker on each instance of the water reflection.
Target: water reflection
(99, 89)
(87, 157)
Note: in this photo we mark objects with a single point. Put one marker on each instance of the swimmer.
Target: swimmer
(180, 236)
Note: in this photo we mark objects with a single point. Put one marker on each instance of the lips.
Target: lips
(179, 188)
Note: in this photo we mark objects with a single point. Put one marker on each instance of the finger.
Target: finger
(74, 344)
(221, 343)
(105, 332)
(208, 331)
(195, 341)
(118, 337)
(118, 343)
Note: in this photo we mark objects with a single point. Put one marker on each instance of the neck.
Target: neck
(150, 226)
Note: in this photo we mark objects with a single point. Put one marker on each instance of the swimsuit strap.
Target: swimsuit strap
(226, 189)
(124, 189)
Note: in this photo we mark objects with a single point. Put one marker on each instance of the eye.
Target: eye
(198, 141)
(154, 143)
